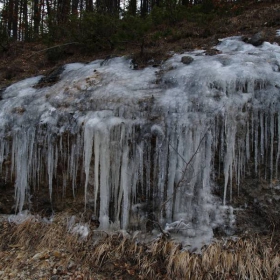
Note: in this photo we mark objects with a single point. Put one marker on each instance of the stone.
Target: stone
(187, 60)
(13, 275)
(212, 52)
(2, 91)
(59, 270)
(71, 265)
(257, 39)
(51, 78)
(57, 254)
(133, 64)
(37, 256)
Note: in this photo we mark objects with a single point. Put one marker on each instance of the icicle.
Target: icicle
(256, 143)
(271, 144)
(221, 151)
(147, 165)
(248, 141)
(231, 175)
(88, 141)
(125, 189)
(229, 157)
(239, 167)
(262, 136)
(208, 158)
(140, 148)
(115, 177)
(181, 165)
(252, 131)
(163, 156)
(278, 148)
(50, 164)
(21, 142)
(96, 168)
(104, 179)
(171, 174)
(266, 157)
(55, 160)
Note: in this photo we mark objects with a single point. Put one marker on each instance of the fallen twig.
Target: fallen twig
(72, 43)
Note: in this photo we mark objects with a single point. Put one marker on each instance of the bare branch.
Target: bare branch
(179, 183)
(54, 47)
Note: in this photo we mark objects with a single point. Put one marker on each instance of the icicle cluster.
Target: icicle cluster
(148, 144)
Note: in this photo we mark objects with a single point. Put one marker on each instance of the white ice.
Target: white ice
(154, 137)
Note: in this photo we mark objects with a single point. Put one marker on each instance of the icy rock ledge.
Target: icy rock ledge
(164, 138)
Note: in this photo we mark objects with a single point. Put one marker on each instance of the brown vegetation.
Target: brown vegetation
(38, 250)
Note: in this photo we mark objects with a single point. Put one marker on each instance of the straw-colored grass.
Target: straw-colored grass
(36, 247)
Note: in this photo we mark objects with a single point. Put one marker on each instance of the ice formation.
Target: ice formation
(148, 145)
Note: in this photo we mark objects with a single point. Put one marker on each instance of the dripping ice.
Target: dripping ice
(148, 144)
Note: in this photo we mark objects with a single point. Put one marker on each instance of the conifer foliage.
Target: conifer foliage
(96, 24)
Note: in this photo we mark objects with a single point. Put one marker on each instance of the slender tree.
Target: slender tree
(132, 7)
(74, 7)
(36, 17)
(144, 7)
(186, 2)
(25, 20)
(10, 16)
(89, 5)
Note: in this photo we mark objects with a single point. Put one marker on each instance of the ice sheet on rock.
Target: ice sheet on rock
(21, 88)
(148, 146)
(234, 44)
(21, 217)
(82, 230)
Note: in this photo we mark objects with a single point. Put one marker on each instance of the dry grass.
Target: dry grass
(118, 255)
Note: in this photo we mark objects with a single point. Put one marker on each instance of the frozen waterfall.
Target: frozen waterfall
(148, 144)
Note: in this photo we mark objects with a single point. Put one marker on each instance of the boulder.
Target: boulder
(52, 77)
(257, 39)
(187, 60)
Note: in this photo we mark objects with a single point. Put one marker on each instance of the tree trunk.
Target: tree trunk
(186, 2)
(10, 16)
(155, 3)
(63, 10)
(89, 5)
(132, 7)
(15, 20)
(25, 20)
(36, 17)
(144, 7)
(75, 4)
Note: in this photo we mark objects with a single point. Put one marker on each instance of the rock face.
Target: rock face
(126, 141)
(51, 78)
(259, 207)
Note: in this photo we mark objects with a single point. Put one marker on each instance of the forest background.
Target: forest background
(37, 35)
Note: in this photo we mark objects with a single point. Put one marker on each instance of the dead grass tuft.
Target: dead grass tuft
(40, 244)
